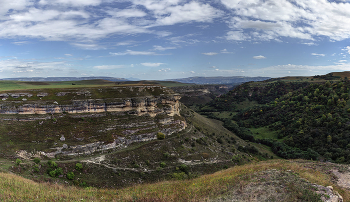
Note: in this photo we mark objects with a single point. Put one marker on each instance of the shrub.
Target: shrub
(52, 173)
(18, 161)
(179, 176)
(36, 160)
(184, 168)
(160, 136)
(79, 166)
(70, 176)
(52, 164)
(55, 173)
(219, 140)
(36, 168)
(83, 184)
(162, 164)
(166, 155)
(59, 171)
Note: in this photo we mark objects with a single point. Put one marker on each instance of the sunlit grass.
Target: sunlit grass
(15, 188)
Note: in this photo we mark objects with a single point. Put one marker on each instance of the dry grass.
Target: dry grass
(15, 188)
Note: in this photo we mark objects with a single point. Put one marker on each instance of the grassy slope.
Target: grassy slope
(24, 85)
(207, 187)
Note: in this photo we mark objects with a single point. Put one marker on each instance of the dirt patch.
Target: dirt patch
(343, 178)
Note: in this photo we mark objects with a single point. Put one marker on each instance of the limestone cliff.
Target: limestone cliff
(137, 100)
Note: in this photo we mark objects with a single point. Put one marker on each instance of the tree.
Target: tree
(329, 138)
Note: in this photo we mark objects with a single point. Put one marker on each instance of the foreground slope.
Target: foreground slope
(274, 180)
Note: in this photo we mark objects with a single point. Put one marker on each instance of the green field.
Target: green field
(264, 132)
(8, 85)
(25, 85)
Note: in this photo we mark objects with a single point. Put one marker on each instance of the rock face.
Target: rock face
(141, 100)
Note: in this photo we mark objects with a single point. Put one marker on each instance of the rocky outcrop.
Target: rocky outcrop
(118, 143)
(139, 105)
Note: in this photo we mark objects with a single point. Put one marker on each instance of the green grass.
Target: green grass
(24, 85)
(264, 132)
(265, 150)
(219, 184)
(246, 104)
(27, 85)
(224, 114)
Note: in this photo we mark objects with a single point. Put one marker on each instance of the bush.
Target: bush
(52, 164)
(36, 160)
(55, 173)
(166, 155)
(179, 176)
(52, 173)
(184, 168)
(36, 168)
(162, 164)
(79, 166)
(70, 176)
(18, 161)
(160, 136)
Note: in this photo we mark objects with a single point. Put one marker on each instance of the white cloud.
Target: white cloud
(76, 3)
(35, 15)
(189, 12)
(21, 42)
(88, 46)
(7, 5)
(15, 67)
(259, 57)
(270, 19)
(164, 70)
(126, 43)
(151, 64)
(109, 67)
(306, 68)
(160, 48)
(68, 55)
(236, 36)
(347, 49)
(317, 54)
(192, 72)
(310, 44)
(130, 52)
(127, 13)
(210, 53)
(225, 51)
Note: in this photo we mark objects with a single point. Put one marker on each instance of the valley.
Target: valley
(200, 142)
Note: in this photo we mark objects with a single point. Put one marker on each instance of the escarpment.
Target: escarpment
(82, 121)
(139, 100)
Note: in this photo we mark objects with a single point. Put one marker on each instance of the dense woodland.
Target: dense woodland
(311, 119)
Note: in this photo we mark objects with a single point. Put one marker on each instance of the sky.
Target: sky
(167, 39)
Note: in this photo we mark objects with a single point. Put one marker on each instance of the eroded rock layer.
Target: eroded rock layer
(137, 100)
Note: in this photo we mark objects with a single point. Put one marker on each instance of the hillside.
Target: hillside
(297, 119)
(276, 180)
(120, 134)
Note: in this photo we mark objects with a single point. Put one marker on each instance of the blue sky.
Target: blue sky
(164, 39)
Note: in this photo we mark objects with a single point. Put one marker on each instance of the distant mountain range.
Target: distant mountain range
(219, 79)
(65, 78)
(195, 80)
